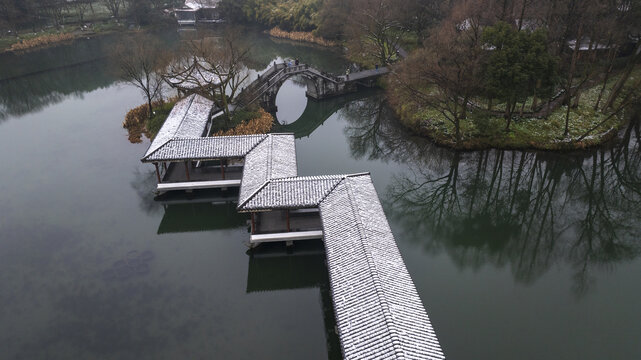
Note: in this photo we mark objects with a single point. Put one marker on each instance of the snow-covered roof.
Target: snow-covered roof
(201, 4)
(205, 148)
(275, 157)
(379, 314)
(187, 119)
(586, 44)
(291, 193)
(194, 76)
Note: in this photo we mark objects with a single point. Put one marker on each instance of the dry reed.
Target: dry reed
(44, 40)
(300, 36)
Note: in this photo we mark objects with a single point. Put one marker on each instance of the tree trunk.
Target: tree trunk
(568, 90)
(566, 131)
(624, 78)
(150, 107)
(457, 127)
(535, 101)
(508, 114)
(605, 80)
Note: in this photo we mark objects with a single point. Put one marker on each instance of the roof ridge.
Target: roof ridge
(218, 137)
(265, 136)
(331, 191)
(270, 158)
(319, 177)
(191, 101)
(250, 197)
(158, 148)
(308, 177)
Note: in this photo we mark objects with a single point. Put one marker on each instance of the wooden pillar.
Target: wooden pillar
(253, 223)
(222, 169)
(164, 166)
(157, 173)
(187, 170)
(287, 212)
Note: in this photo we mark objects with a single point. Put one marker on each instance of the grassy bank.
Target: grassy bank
(51, 37)
(482, 130)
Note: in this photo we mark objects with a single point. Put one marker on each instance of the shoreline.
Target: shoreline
(73, 35)
(481, 130)
(506, 141)
(561, 146)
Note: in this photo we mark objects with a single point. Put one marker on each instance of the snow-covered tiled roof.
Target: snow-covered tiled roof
(291, 193)
(187, 119)
(195, 76)
(201, 4)
(275, 157)
(379, 314)
(205, 148)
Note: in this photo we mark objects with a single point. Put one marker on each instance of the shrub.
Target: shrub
(261, 124)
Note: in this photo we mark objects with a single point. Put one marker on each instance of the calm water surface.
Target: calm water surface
(516, 255)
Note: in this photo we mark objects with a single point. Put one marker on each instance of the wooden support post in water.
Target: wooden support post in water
(157, 173)
(288, 230)
(187, 170)
(253, 223)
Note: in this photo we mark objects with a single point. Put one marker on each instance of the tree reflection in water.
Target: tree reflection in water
(525, 210)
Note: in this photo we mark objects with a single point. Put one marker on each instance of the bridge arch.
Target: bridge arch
(320, 85)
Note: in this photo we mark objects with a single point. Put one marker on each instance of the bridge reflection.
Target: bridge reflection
(317, 112)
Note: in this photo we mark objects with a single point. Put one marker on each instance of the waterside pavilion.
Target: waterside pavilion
(379, 314)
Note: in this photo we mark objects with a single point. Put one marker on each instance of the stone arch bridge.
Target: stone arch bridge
(320, 85)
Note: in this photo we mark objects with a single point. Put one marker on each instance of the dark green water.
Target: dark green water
(516, 255)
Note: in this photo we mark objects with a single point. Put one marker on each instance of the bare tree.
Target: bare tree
(141, 63)
(81, 7)
(114, 6)
(445, 75)
(223, 60)
(375, 29)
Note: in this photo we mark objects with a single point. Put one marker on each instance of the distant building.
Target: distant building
(198, 11)
(586, 44)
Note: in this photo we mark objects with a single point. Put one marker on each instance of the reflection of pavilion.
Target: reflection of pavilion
(200, 216)
(272, 269)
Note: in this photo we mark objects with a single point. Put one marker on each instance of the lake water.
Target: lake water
(516, 255)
